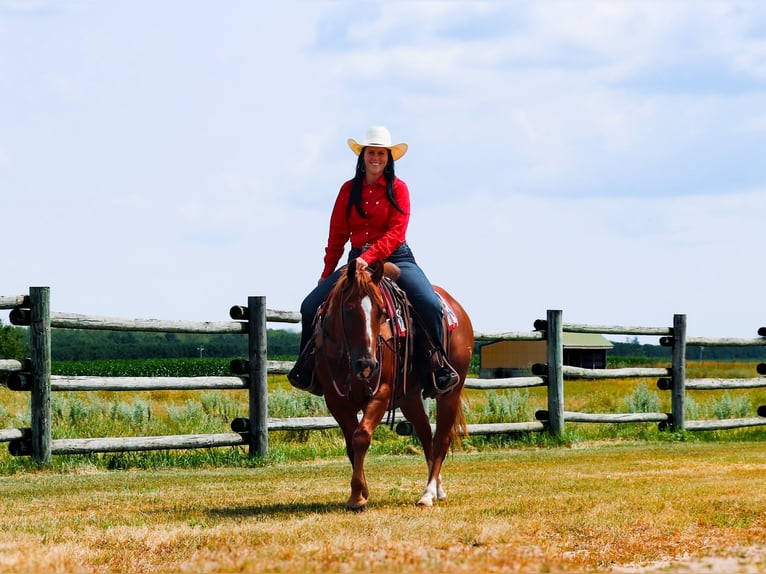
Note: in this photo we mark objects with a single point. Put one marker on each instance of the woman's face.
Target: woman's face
(375, 160)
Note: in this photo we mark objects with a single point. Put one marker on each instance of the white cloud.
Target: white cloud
(603, 261)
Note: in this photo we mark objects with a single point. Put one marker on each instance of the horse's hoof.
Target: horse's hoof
(425, 502)
(357, 509)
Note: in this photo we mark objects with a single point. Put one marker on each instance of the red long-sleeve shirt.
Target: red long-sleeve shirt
(384, 228)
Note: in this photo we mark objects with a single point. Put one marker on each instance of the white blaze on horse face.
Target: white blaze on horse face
(367, 308)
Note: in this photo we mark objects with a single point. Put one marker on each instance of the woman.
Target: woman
(372, 211)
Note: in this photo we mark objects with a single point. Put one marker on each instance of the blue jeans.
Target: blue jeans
(413, 282)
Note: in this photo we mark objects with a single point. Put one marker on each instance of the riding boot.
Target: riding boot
(301, 376)
(444, 375)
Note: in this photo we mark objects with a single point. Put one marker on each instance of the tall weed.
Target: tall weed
(506, 406)
(288, 404)
(728, 407)
(693, 410)
(642, 400)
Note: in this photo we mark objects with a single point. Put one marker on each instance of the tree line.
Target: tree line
(89, 345)
(85, 345)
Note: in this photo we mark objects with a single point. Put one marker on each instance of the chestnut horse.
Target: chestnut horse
(357, 363)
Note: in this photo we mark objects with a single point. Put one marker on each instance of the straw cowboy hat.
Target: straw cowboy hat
(378, 136)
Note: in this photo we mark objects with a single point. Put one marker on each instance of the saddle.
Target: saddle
(401, 316)
(397, 334)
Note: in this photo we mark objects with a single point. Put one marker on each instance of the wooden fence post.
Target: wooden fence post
(679, 372)
(40, 398)
(555, 337)
(259, 382)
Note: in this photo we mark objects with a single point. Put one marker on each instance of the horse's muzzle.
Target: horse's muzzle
(365, 369)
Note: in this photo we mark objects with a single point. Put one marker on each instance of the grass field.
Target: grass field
(626, 498)
(597, 507)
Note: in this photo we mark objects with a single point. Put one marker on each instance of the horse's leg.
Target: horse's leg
(360, 444)
(446, 414)
(346, 418)
(415, 411)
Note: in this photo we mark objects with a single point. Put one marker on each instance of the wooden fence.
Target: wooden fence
(34, 376)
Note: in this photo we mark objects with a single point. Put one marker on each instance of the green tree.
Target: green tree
(12, 342)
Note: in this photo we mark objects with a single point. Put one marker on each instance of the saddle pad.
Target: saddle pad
(449, 313)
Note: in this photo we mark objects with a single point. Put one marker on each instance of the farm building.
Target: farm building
(515, 358)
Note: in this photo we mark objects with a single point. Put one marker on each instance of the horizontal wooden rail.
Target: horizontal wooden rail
(510, 336)
(615, 417)
(19, 382)
(508, 383)
(702, 425)
(633, 372)
(323, 423)
(542, 325)
(70, 321)
(61, 383)
(242, 425)
(12, 365)
(575, 417)
(697, 425)
(242, 313)
(131, 444)
(302, 423)
(504, 428)
(724, 342)
(7, 435)
(476, 429)
(279, 367)
(720, 384)
(93, 322)
(14, 301)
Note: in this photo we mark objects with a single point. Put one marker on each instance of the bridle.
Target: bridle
(344, 353)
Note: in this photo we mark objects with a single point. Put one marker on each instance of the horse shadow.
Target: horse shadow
(272, 510)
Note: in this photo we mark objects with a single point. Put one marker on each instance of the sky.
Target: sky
(167, 159)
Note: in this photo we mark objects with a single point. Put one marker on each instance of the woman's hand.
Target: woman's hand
(361, 264)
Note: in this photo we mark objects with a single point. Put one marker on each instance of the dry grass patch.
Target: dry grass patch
(591, 508)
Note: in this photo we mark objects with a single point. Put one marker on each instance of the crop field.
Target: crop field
(621, 498)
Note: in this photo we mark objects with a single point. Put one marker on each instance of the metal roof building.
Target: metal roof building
(515, 358)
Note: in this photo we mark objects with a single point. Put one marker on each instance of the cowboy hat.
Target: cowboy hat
(378, 136)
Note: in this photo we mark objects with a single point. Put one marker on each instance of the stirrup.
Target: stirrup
(445, 379)
(301, 376)
(432, 391)
(443, 375)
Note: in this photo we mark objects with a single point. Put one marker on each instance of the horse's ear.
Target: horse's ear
(351, 270)
(377, 272)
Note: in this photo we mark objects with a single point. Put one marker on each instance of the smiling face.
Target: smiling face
(375, 160)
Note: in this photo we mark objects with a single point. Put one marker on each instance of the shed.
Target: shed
(515, 358)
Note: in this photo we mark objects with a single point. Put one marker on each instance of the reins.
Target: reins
(330, 320)
(344, 353)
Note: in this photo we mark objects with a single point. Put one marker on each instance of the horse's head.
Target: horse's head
(355, 314)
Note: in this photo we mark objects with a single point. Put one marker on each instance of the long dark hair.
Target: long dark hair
(355, 199)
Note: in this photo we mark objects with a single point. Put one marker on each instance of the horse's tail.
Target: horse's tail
(459, 427)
